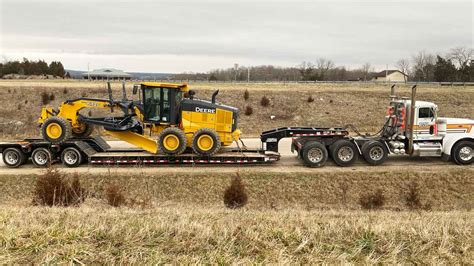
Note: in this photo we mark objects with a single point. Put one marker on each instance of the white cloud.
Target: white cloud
(175, 36)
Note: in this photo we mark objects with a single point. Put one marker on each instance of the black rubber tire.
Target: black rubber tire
(374, 146)
(176, 132)
(65, 126)
(13, 157)
(39, 155)
(456, 152)
(314, 146)
(211, 133)
(71, 157)
(85, 133)
(336, 148)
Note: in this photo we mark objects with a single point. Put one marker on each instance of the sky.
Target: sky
(197, 36)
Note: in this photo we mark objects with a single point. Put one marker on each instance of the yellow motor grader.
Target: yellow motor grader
(169, 111)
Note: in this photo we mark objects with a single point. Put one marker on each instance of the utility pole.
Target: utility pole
(248, 74)
(88, 72)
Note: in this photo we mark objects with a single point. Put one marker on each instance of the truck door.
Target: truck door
(425, 123)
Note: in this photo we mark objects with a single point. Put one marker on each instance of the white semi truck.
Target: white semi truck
(421, 134)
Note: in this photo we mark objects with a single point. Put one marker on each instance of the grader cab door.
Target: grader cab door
(161, 105)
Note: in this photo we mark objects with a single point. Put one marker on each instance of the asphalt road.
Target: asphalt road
(287, 163)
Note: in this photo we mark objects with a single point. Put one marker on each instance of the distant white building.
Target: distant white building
(390, 75)
(106, 74)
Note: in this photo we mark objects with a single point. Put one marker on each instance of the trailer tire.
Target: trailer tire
(314, 154)
(41, 157)
(374, 152)
(172, 141)
(462, 152)
(344, 152)
(13, 157)
(56, 130)
(206, 142)
(71, 157)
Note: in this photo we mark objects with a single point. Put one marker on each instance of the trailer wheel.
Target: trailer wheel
(344, 152)
(41, 157)
(172, 141)
(71, 157)
(56, 130)
(13, 157)
(206, 142)
(374, 152)
(463, 152)
(314, 154)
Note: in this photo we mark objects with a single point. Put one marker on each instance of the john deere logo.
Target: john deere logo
(205, 110)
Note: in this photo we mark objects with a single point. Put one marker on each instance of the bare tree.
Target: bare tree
(422, 63)
(461, 55)
(404, 66)
(323, 66)
(306, 70)
(366, 69)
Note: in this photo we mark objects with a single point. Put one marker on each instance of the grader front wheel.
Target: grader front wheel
(83, 130)
(56, 130)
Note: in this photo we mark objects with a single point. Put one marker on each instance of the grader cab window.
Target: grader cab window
(161, 104)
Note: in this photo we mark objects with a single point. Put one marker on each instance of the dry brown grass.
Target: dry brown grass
(363, 105)
(190, 234)
(311, 217)
(444, 190)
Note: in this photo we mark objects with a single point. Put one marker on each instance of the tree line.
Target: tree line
(457, 65)
(27, 67)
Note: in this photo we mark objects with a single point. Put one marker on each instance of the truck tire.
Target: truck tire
(374, 152)
(344, 152)
(206, 142)
(172, 141)
(83, 132)
(56, 130)
(71, 157)
(463, 152)
(41, 157)
(13, 157)
(314, 154)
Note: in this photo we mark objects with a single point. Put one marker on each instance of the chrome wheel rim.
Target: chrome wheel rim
(345, 154)
(315, 155)
(466, 153)
(41, 157)
(376, 153)
(71, 157)
(12, 157)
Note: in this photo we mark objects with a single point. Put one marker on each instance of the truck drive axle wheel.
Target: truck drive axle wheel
(344, 153)
(172, 141)
(206, 142)
(13, 157)
(56, 130)
(374, 152)
(41, 157)
(314, 154)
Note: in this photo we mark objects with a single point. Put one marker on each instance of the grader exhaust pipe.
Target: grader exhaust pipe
(412, 120)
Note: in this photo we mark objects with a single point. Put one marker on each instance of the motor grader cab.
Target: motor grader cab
(168, 111)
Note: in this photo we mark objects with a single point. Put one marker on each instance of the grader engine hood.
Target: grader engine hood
(207, 107)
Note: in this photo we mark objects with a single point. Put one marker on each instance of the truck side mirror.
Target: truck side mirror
(135, 89)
